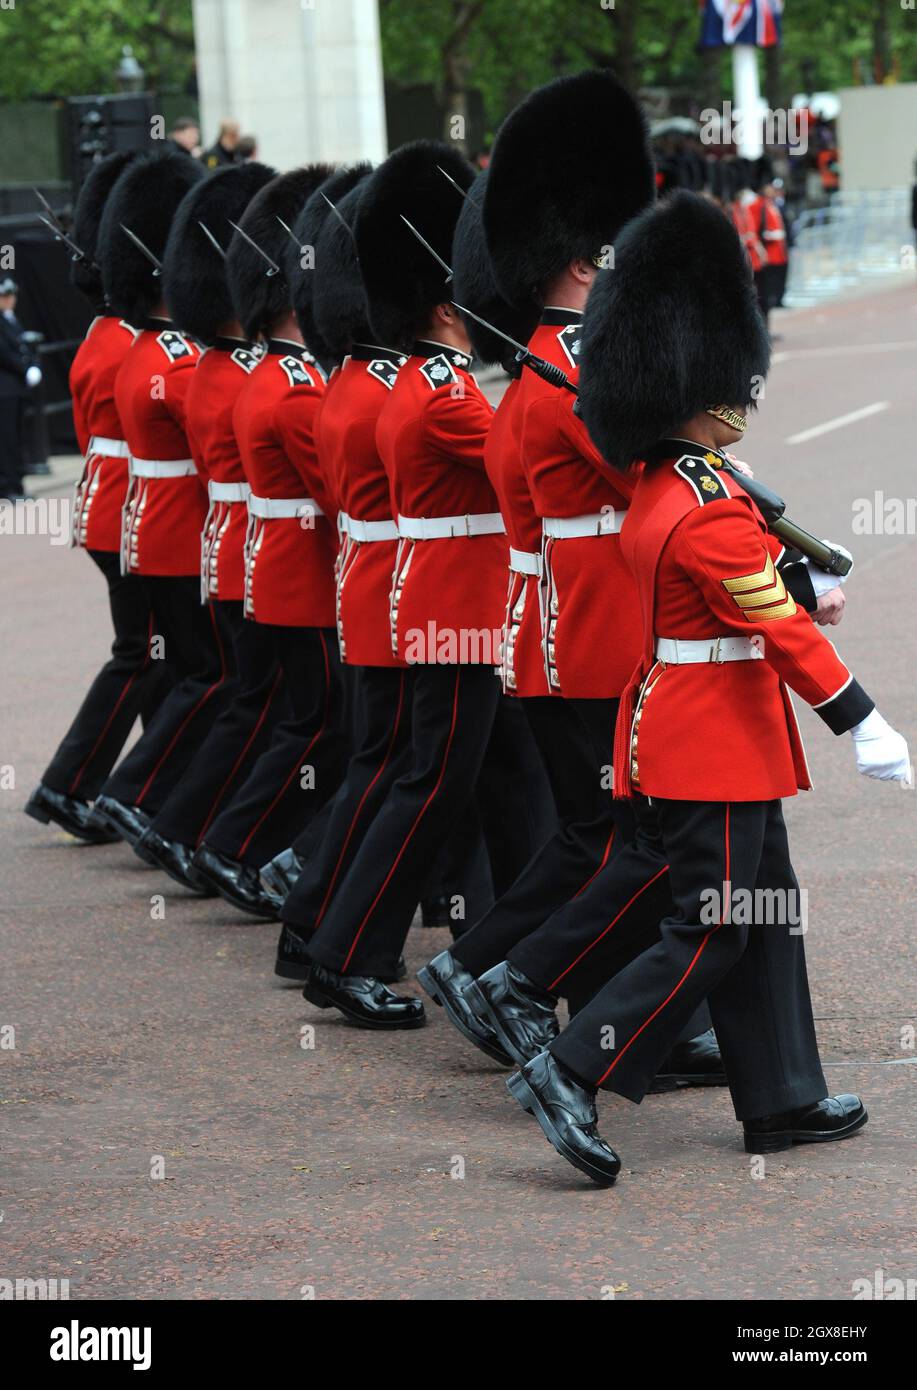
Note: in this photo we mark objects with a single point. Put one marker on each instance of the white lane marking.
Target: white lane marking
(838, 423)
(841, 350)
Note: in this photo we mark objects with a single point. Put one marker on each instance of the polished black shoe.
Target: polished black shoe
(566, 1111)
(237, 884)
(435, 911)
(836, 1117)
(362, 1000)
(696, 1062)
(447, 983)
(175, 859)
(520, 1013)
(128, 822)
(280, 873)
(69, 813)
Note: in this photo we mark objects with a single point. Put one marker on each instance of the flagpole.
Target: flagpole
(747, 99)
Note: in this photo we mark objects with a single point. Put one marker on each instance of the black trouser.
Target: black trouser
(754, 975)
(575, 738)
(11, 461)
(238, 738)
(195, 643)
(452, 710)
(130, 683)
(305, 760)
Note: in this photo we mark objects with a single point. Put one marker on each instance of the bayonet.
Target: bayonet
(289, 231)
(59, 234)
(154, 260)
(457, 186)
(340, 217)
(211, 238)
(274, 267)
(423, 241)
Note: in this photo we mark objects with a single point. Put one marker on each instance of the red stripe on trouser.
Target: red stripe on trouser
(606, 930)
(419, 817)
(191, 713)
(236, 765)
(311, 744)
(696, 957)
(114, 710)
(604, 860)
(356, 815)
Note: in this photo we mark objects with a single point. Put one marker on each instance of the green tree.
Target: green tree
(72, 47)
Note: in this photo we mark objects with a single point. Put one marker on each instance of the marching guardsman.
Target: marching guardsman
(572, 627)
(290, 555)
(130, 682)
(197, 293)
(166, 500)
(448, 586)
(722, 639)
(338, 325)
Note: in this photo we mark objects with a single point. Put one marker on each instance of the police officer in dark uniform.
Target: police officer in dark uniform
(19, 373)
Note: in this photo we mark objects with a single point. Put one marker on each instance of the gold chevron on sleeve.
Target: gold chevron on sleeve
(762, 596)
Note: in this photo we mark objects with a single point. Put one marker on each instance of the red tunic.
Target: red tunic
(289, 577)
(705, 565)
(163, 516)
(592, 632)
(102, 488)
(221, 373)
(355, 397)
(523, 668)
(745, 221)
(449, 593)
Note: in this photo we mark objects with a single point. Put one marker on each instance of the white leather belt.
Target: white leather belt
(593, 524)
(525, 561)
(228, 492)
(111, 448)
(162, 468)
(364, 531)
(271, 507)
(433, 528)
(681, 651)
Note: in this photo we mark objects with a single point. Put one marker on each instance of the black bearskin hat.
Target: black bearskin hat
(194, 272)
(673, 329)
(260, 296)
(302, 263)
(145, 199)
(403, 281)
(87, 218)
(474, 285)
(338, 296)
(569, 167)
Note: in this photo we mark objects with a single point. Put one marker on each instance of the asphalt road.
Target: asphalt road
(367, 1166)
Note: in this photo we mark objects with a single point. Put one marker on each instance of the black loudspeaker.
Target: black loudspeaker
(96, 126)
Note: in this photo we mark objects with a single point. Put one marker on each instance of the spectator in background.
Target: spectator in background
(226, 149)
(247, 149)
(185, 135)
(19, 372)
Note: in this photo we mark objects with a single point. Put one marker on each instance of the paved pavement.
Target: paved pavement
(365, 1166)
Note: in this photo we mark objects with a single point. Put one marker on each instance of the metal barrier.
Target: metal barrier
(857, 237)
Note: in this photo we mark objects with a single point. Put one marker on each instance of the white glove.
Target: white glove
(32, 376)
(822, 581)
(881, 752)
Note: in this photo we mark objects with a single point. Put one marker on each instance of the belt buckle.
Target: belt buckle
(715, 652)
(467, 523)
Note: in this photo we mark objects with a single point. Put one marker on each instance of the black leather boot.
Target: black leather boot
(447, 984)
(280, 873)
(69, 813)
(237, 884)
(175, 859)
(566, 1111)
(696, 1062)
(362, 1000)
(520, 1012)
(128, 822)
(836, 1117)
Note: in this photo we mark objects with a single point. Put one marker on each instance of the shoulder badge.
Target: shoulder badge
(244, 358)
(174, 344)
(438, 371)
(707, 483)
(570, 339)
(296, 370)
(383, 370)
